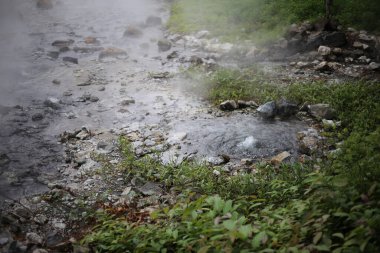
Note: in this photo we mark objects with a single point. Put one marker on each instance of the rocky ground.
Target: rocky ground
(88, 78)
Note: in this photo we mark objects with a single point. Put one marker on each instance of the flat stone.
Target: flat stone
(278, 159)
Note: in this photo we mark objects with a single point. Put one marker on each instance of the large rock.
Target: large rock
(334, 39)
(133, 32)
(286, 109)
(267, 110)
(112, 52)
(164, 45)
(228, 105)
(322, 111)
(44, 4)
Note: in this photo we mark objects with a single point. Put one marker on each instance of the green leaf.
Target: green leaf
(317, 237)
(339, 235)
(260, 238)
(340, 181)
(245, 231)
(229, 224)
(203, 249)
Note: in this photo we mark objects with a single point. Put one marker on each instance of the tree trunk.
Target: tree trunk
(328, 6)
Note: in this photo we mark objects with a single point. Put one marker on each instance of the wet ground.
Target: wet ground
(42, 95)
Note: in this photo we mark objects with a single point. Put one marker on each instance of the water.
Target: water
(31, 154)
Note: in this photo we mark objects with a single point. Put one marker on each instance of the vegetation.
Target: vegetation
(329, 205)
(265, 20)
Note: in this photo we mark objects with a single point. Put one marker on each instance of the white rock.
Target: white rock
(324, 51)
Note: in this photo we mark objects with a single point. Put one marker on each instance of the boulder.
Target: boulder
(374, 66)
(44, 4)
(323, 66)
(164, 45)
(133, 32)
(286, 109)
(228, 105)
(267, 110)
(330, 39)
(322, 111)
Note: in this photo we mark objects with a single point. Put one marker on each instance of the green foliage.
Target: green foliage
(329, 217)
(265, 20)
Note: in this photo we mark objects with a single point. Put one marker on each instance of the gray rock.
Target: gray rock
(286, 109)
(94, 99)
(322, 111)
(105, 147)
(153, 21)
(44, 4)
(37, 117)
(4, 159)
(267, 110)
(53, 54)
(34, 238)
(164, 45)
(4, 241)
(150, 189)
(70, 59)
(62, 43)
(133, 32)
(40, 219)
(53, 103)
(216, 160)
(324, 51)
(127, 102)
(374, 66)
(53, 238)
(228, 105)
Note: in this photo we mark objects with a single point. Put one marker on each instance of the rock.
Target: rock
(324, 51)
(44, 4)
(70, 59)
(33, 238)
(228, 105)
(53, 54)
(202, 34)
(150, 189)
(3, 241)
(278, 159)
(133, 32)
(94, 99)
(308, 145)
(86, 50)
(153, 21)
(56, 81)
(196, 60)
(267, 110)
(126, 102)
(164, 45)
(216, 172)
(330, 39)
(40, 219)
(321, 111)
(53, 103)
(323, 66)
(91, 40)
(37, 117)
(4, 159)
(105, 147)
(286, 109)
(172, 55)
(374, 66)
(53, 239)
(216, 160)
(40, 251)
(177, 137)
(113, 52)
(62, 43)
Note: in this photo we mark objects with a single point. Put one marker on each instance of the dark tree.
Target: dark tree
(328, 7)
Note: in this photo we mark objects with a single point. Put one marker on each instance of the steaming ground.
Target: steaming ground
(41, 96)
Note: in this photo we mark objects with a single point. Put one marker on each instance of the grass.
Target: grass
(263, 21)
(292, 208)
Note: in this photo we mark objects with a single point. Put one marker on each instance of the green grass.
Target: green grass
(264, 20)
